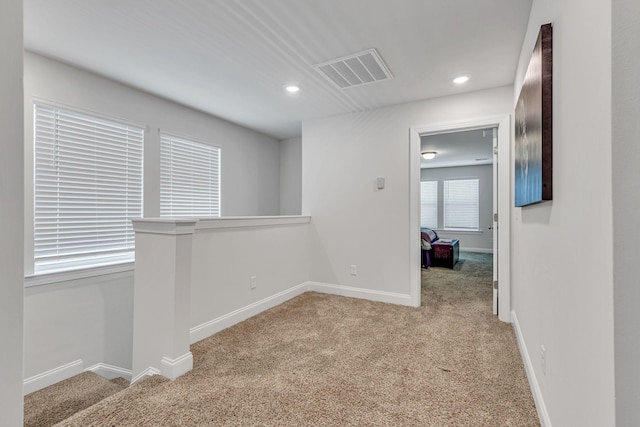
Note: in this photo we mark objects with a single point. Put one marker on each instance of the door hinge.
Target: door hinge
(495, 217)
(495, 284)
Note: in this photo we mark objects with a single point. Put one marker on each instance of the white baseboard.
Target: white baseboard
(209, 328)
(149, 372)
(477, 250)
(110, 372)
(545, 421)
(173, 368)
(367, 294)
(52, 376)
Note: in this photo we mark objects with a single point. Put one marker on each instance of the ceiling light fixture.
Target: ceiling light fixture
(428, 155)
(292, 88)
(461, 79)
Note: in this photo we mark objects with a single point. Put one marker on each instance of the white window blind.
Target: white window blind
(429, 204)
(88, 186)
(189, 178)
(461, 204)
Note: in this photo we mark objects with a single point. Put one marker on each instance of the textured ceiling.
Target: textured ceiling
(232, 58)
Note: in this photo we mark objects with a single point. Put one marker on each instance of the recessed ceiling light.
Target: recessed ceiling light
(292, 88)
(461, 79)
(428, 155)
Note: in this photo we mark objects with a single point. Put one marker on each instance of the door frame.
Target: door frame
(503, 123)
(494, 212)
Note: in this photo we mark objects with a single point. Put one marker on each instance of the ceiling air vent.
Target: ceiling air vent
(355, 70)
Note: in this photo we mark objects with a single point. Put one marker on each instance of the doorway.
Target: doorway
(458, 200)
(499, 222)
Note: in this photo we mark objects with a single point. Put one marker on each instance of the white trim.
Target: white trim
(149, 372)
(477, 250)
(366, 294)
(459, 125)
(173, 368)
(225, 321)
(495, 231)
(503, 122)
(543, 414)
(164, 226)
(250, 221)
(67, 276)
(110, 372)
(189, 225)
(415, 244)
(52, 376)
(504, 219)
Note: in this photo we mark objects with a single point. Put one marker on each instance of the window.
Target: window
(461, 204)
(88, 186)
(189, 178)
(429, 204)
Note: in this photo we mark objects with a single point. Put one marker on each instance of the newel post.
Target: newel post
(162, 297)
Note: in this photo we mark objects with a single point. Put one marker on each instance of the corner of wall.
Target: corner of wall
(11, 212)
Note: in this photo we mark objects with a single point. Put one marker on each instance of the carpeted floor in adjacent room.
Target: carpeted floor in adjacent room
(323, 360)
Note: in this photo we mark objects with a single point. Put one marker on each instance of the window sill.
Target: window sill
(83, 273)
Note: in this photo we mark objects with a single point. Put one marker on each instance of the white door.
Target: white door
(494, 223)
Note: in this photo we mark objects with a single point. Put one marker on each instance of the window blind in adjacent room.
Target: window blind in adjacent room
(189, 178)
(429, 204)
(461, 204)
(87, 188)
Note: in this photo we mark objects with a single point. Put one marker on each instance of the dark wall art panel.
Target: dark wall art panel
(533, 142)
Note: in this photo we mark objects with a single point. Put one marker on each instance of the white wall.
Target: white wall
(204, 281)
(250, 175)
(91, 318)
(11, 212)
(290, 176)
(482, 240)
(562, 268)
(225, 259)
(88, 319)
(353, 223)
(162, 297)
(626, 205)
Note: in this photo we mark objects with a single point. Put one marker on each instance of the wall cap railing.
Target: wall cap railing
(162, 286)
(189, 225)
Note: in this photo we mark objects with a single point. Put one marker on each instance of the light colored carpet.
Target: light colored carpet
(322, 360)
(50, 405)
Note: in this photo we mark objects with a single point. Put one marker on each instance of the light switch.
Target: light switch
(380, 183)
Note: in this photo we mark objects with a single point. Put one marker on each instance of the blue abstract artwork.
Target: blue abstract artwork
(533, 133)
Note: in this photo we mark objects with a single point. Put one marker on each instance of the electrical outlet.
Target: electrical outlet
(543, 359)
(252, 282)
(354, 270)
